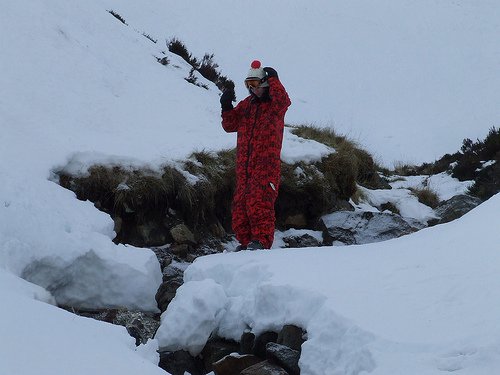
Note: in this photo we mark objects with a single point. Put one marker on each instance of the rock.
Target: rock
(150, 233)
(247, 343)
(180, 250)
(216, 349)
(292, 337)
(365, 227)
(305, 240)
(284, 356)
(164, 257)
(297, 221)
(180, 362)
(261, 341)
(234, 364)
(182, 235)
(173, 278)
(455, 207)
(217, 230)
(264, 368)
(141, 326)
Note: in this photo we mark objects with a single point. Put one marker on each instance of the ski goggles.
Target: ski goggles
(252, 83)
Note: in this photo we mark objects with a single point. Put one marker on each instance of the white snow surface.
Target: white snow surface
(408, 80)
(442, 184)
(420, 304)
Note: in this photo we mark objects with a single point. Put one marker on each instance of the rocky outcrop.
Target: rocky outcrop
(269, 353)
(349, 228)
(454, 208)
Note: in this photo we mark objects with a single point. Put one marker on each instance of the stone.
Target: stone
(173, 278)
(180, 362)
(259, 348)
(233, 364)
(182, 235)
(366, 227)
(292, 337)
(180, 250)
(140, 325)
(247, 343)
(306, 240)
(164, 257)
(455, 207)
(216, 349)
(284, 357)
(264, 368)
(297, 221)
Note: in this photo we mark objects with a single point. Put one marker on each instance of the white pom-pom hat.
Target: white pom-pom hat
(256, 72)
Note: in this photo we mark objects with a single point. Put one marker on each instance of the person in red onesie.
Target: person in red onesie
(259, 120)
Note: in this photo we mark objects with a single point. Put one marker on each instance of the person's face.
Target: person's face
(258, 91)
(254, 86)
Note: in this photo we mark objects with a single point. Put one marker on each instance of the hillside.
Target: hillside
(80, 88)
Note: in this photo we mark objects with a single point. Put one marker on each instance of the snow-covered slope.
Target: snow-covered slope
(408, 79)
(421, 304)
(78, 87)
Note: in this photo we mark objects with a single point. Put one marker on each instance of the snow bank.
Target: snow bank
(64, 245)
(420, 304)
(44, 340)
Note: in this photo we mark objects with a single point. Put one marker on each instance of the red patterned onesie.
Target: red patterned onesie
(259, 123)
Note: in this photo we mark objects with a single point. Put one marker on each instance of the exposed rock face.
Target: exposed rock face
(455, 207)
(365, 227)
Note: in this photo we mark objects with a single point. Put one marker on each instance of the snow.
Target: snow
(420, 304)
(407, 80)
(442, 184)
(404, 200)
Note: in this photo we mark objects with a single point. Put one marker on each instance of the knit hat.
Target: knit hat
(256, 72)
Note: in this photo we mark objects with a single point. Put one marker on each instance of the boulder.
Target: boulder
(264, 368)
(292, 337)
(180, 362)
(365, 227)
(234, 364)
(284, 357)
(455, 207)
(182, 235)
(216, 349)
(247, 343)
(173, 278)
(259, 348)
(305, 240)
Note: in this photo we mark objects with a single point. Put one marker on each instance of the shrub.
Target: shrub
(340, 170)
(361, 162)
(117, 16)
(150, 38)
(179, 48)
(426, 196)
(206, 67)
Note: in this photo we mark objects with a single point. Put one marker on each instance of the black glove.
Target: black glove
(270, 72)
(226, 99)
